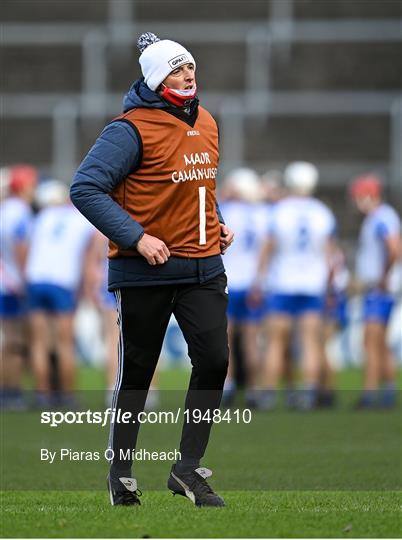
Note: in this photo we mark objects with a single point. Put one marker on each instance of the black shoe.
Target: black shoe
(193, 485)
(123, 491)
(326, 399)
(266, 400)
(362, 404)
(367, 401)
(251, 398)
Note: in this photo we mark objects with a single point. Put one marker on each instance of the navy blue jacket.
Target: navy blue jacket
(115, 154)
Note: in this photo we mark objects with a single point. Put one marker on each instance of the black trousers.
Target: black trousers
(144, 313)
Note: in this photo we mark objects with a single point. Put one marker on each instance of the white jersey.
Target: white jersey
(15, 224)
(249, 222)
(59, 240)
(371, 255)
(300, 228)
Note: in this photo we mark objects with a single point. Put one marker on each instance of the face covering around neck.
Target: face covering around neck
(178, 97)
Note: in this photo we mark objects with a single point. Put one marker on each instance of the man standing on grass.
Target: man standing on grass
(148, 184)
(300, 239)
(15, 228)
(379, 249)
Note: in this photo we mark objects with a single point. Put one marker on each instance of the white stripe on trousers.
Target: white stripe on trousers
(120, 358)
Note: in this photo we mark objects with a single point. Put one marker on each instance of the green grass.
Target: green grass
(177, 379)
(322, 474)
(247, 514)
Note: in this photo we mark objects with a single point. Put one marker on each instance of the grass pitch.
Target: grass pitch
(282, 506)
(247, 514)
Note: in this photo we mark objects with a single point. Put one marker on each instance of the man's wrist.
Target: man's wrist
(134, 244)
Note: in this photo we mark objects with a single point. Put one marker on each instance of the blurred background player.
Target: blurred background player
(335, 320)
(18, 188)
(297, 247)
(379, 249)
(54, 271)
(248, 218)
(96, 291)
(272, 189)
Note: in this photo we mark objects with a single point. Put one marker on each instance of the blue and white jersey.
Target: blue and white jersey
(15, 224)
(300, 228)
(372, 253)
(249, 222)
(59, 240)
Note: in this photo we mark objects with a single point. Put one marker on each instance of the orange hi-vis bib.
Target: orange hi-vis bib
(172, 193)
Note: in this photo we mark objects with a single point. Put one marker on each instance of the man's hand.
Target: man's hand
(226, 238)
(153, 249)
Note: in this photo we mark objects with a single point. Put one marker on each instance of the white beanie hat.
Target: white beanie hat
(160, 57)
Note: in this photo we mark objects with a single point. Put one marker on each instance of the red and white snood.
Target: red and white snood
(178, 97)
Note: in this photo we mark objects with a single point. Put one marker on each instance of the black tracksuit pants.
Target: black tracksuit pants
(144, 313)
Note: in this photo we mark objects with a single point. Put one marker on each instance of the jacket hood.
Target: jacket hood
(140, 96)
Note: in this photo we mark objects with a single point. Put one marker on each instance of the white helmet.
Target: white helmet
(301, 177)
(244, 183)
(51, 193)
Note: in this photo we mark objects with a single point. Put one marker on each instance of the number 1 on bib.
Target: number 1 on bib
(201, 195)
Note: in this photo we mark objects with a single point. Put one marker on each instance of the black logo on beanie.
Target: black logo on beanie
(178, 61)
